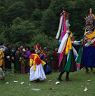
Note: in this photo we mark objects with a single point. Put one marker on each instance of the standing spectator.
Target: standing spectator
(55, 60)
(17, 64)
(26, 56)
(7, 53)
(23, 61)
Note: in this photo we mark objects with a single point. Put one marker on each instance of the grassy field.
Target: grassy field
(79, 81)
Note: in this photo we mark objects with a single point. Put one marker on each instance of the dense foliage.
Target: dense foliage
(32, 21)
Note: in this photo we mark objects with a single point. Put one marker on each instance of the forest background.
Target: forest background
(36, 21)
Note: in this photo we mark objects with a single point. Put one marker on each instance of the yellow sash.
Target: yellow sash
(90, 35)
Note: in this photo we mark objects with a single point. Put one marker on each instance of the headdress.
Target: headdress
(89, 26)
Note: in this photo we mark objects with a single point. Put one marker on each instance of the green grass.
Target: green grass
(48, 87)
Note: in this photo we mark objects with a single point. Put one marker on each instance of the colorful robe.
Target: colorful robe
(36, 68)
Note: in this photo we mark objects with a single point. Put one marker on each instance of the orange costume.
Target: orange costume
(1, 58)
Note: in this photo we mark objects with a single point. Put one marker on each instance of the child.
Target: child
(36, 67)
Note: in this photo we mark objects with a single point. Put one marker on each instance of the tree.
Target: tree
(15, 10)
(20, 31)
(49, 22)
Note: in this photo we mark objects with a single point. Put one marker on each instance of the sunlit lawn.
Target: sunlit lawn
(75, 87)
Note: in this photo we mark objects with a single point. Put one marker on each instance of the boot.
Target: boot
(60, 75)
(67, 76)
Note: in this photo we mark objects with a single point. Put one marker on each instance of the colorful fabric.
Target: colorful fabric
(68, 45)
(68, 63)
(1, 58)
(79, 58)
(35, 60)
(90, 35)
(66, 56)
(64, 27)
(60, 27)
(63, 43)
(27, 54)
(75, 53)
(37, 74)
(60, 58)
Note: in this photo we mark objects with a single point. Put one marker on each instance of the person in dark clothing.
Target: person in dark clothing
(7, 56)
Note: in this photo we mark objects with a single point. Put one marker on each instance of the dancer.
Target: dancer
(66, 56)
(89, 42)
(36, 67)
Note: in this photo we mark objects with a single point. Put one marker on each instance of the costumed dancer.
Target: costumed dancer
(89, 42)
(36, 67)
(2, 64)
(2, 75)
(66, 55)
